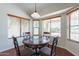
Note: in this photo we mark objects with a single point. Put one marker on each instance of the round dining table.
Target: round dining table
(36, 43)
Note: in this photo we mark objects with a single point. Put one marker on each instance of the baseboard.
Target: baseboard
(11, 49)
(71, 52)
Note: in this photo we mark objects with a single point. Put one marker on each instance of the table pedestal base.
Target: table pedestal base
(36, 52)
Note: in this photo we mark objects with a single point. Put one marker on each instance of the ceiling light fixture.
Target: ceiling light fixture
(35, 15)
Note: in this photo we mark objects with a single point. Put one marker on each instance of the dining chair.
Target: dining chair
(46, 51)
(22, 51)
(46, 35)
(26, 35)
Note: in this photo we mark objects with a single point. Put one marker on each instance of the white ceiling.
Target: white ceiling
(44, 8)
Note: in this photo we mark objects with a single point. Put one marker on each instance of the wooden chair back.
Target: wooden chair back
(27, 35)
(54, 45)
(16, 46)
(46, 35)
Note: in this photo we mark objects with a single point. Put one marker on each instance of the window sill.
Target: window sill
(17, 37)
(73, 40)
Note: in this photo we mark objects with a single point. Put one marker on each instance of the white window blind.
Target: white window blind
(13, 27)
(46, 25)
(74, 26)
(17, 26)
(24, 26)
(56, 26)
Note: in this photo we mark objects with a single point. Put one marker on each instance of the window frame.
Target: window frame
(43, 28)
(50, 24)
(38, 27)
(20, 18)
(69, 26)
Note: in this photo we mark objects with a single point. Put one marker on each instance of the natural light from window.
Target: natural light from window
(74, 26)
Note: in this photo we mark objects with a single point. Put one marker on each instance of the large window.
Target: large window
(17, 26)
(74, 26)
(13, 27)
(46, 25)
(36, 27)
(56, 26)
(24, 26)
(53, 26)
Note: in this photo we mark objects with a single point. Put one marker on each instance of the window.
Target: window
(13, 27)
(17, 26)
(24, 26)
(46, 25)
(74, 26)
(35, 27)
(56, 26)
(53, 26)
